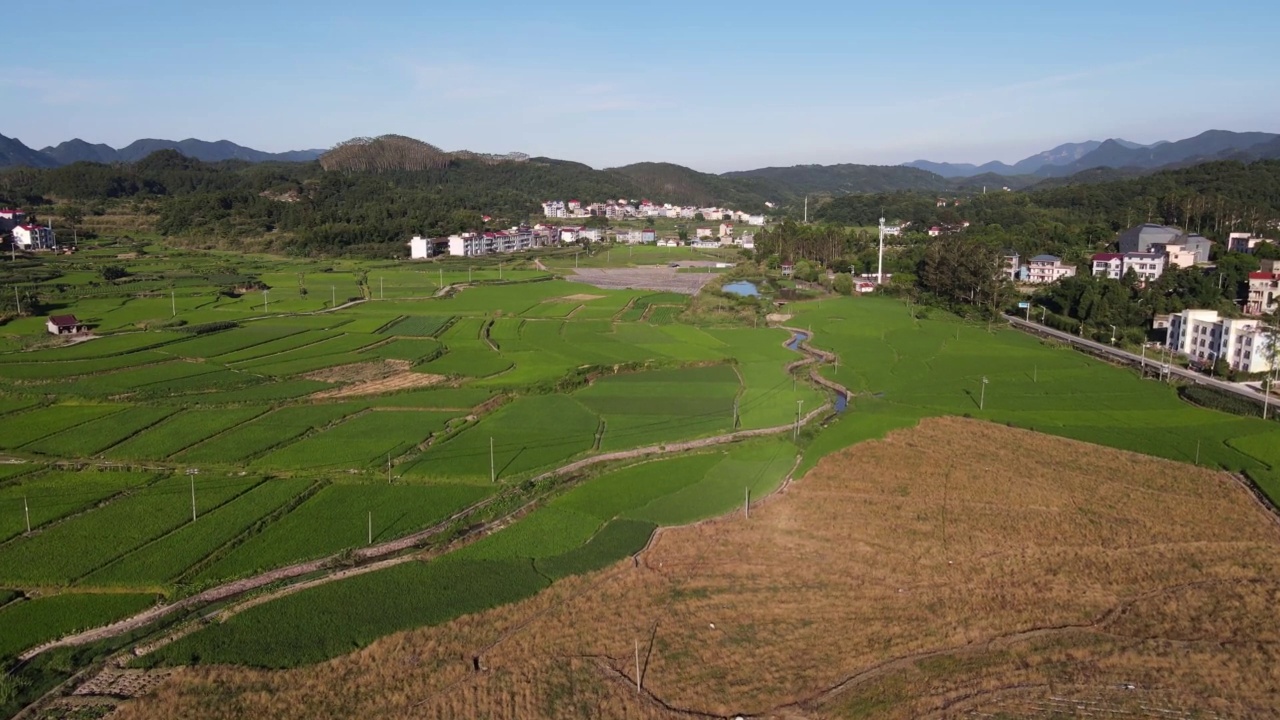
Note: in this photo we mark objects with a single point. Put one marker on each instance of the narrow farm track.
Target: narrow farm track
(332, 570)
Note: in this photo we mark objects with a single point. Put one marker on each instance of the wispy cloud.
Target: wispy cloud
(48, 88)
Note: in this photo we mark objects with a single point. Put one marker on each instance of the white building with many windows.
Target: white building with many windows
(1204, 336)
(1044, 269)
(34, 237)
(1147, 266)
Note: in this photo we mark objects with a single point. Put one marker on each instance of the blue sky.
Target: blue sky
(713, 85)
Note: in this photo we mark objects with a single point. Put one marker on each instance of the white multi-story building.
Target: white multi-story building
(491, 243)
(34, 237)
(1147, 266)
(1204, 336)
(419, 248)
(554, 209)
(1045, 269)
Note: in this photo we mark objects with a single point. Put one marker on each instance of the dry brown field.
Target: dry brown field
(957, 569)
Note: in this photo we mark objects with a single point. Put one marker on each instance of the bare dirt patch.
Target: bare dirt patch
(580, 297)
(372, 378)
(956, 569)
(663, 279)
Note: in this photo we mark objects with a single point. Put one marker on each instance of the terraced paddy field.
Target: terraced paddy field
(930, 574)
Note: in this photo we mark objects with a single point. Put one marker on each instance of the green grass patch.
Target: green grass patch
(337, 518)
(28, 623)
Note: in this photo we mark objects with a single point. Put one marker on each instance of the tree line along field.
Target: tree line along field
(114, 435)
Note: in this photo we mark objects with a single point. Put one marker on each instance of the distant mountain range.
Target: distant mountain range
(1072, 158)
(14, 153)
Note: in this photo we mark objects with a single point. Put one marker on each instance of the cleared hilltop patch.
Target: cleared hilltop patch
(957, 568)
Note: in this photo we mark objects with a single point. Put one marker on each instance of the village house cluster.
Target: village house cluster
(523, 237)
(622, 209)
(25, 235)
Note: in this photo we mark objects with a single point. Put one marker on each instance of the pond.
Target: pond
(742, 287)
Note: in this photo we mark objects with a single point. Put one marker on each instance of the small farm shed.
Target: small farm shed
(65, 325)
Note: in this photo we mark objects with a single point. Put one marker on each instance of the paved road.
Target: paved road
(1135, 359)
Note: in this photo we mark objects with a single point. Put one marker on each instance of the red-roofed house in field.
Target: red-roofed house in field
(65, 325)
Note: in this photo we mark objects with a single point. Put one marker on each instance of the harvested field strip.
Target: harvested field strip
(264, 393)
(70, 550)
(54, 494)
(182, 431)
(337, 518)
(447, 398)
(357, 443)
(33, 425)
(258, 436)
(28, 623)
(95, 436)
(166, 558)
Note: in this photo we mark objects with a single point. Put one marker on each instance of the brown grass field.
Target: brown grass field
(957, 569)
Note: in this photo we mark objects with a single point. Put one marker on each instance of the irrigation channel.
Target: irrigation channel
(376, 557)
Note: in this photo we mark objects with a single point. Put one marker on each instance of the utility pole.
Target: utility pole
(735, 413)
(370, 528)
(382, 295)
(982, 397)
(191, 473)
(637, 667)
(1266, 398)
(746, 504)
(1113, 334)
(26, 512)
(388, 468)
(796, 435)
(333, 296)
(1197, 452)
(173, 303)
(806, 209)
(493, 472)
(880, 262)
(17, 299)
(266, 300)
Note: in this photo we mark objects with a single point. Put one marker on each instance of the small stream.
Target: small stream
(799, 336)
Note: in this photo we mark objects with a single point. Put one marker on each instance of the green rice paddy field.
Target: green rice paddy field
(304, 435)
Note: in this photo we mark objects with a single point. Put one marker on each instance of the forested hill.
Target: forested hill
(800, 180)
(1213, 198)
